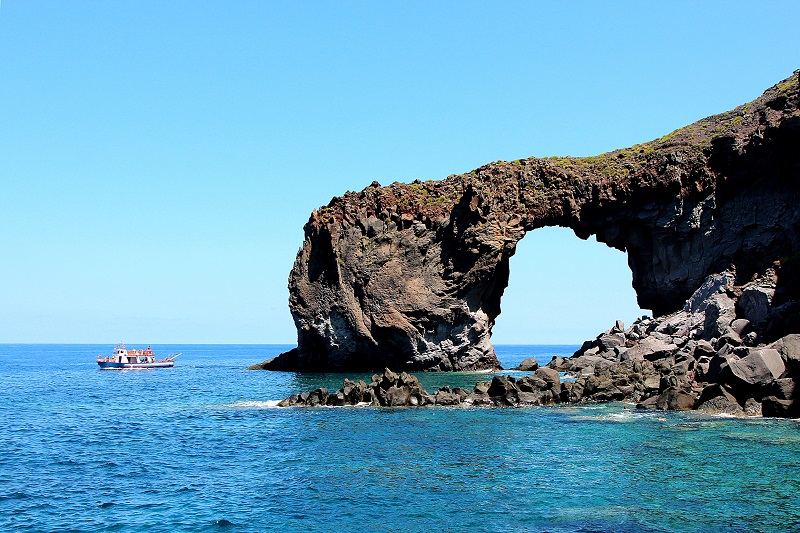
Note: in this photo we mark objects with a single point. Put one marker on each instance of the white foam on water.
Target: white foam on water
(624, 416)
(725, 415)
(252, 404)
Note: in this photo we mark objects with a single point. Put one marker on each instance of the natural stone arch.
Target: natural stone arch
(563, 290)
(411, 275)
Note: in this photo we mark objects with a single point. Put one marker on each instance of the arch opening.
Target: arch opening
(563, 290)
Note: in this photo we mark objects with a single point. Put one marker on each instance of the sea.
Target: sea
(202, 447)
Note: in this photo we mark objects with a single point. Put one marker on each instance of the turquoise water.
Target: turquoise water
(199, 448)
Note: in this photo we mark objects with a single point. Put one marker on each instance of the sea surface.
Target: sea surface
(201, 447)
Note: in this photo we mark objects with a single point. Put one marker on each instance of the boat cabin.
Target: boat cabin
(123, 355)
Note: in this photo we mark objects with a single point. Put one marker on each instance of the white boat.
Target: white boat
(124, 358)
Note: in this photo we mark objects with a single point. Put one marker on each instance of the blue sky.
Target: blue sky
(159, 159)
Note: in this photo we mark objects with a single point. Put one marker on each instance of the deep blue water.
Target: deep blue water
(199, 448)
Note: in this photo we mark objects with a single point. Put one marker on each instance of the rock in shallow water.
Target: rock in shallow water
(528, 365)
(404, 390)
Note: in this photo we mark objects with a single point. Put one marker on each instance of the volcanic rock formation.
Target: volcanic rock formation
(706, 356)
(410, 276)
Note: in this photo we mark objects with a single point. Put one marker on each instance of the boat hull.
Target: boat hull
(108, 365)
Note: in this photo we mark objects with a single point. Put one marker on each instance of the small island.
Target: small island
(410, 276)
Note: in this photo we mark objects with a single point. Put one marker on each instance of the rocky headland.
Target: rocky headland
(410, 276)
(706, 356)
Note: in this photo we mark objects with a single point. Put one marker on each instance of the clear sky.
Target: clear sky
(158, 159)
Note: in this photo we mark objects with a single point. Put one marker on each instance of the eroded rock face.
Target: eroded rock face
(410, 276)
(720, 375)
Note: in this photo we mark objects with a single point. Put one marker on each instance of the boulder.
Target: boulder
(730, 337)
(462, 393)
(755, 303)
(673, 399)
(428, 399)
(701, 369)
(317, 397)
(407, 379)
(528, 365)
(663, 337)
(545, 397)
(759, 368)
(750, 339)
(789, 348)
(336, 399)
(652, 382)
(783, 389)
(752, 407)
(676, 323)
(531, 398)
(566, 391)
(417, 396)
(649, 348)
(551, 377)
(703, 347)
(504, 390)
(354, 391)
(395, 396)
(290, 401)
(445, 396)
(482, 387)
(649, 403)
(682, 368)
(776, 407)
(740, 326)
(479, 400)
(716, 399)
(712, 285)
(720, 362)
(574, 390)
(609, 341)
(531, 384)
(720, 312)
(388, 380)
(601, 388)
(588, 361)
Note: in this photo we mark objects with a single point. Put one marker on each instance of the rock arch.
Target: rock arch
(562, 290)
(410, 276)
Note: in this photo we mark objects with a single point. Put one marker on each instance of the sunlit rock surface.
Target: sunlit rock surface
(410, 276)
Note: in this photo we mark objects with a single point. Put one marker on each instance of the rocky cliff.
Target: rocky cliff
(410, 276)
(709, 356)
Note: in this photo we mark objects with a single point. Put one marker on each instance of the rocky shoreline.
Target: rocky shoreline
(713, 355)
(710, 356)
(404, 390)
